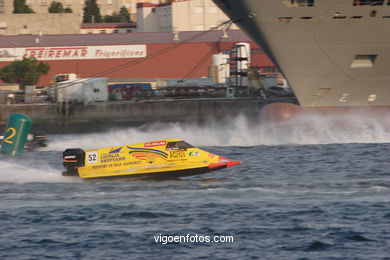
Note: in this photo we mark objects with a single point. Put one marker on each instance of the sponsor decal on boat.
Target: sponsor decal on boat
(115, 150)
(177, 154)
(147, 154)
(194, 153)
(106, 158)
(153, 144)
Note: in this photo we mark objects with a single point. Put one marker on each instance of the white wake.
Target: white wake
(241, 132)
(19, 171)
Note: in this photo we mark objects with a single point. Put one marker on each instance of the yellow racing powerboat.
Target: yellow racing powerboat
(169, 158)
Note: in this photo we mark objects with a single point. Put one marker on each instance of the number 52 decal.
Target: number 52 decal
(92, 157)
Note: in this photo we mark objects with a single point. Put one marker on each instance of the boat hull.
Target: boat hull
(162, 159)
(333, 53)
(279, 112)
(156, 175)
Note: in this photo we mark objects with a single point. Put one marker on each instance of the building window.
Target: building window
(364, 61)
(368, 2)
(286, 19)
(102, 31)
(298, 3)
(338, 15)
(116, 31)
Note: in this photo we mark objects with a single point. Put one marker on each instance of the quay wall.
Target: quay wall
(54, 118)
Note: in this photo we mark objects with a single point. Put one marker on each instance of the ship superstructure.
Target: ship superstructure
(332, 52)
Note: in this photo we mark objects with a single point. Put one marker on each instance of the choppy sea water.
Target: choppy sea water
(319, 190)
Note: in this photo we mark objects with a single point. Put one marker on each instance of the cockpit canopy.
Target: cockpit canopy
(178, 145)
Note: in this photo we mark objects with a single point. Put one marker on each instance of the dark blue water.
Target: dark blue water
(285, 201)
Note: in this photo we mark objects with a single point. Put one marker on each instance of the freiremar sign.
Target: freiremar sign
(74, 52)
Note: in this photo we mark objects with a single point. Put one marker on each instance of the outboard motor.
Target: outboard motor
(72, 159)
(40, 139)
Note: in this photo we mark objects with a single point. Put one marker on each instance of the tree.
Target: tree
(56, 7)
(91, 12)
(114, 18)
(125, 14)
(24, 72)
(122, 17)
(20, 7)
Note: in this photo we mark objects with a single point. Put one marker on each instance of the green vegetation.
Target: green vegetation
(24, 72)
(91, 12)
(56, 7)
(20, 7)
(122, 17)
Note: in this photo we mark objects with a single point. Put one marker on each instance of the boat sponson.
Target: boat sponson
(161, 175)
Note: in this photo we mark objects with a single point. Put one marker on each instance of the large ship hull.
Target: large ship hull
(334, 53)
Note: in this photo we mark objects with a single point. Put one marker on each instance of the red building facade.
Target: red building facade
(132, 55)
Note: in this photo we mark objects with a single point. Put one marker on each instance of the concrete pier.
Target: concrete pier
(68, 118)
